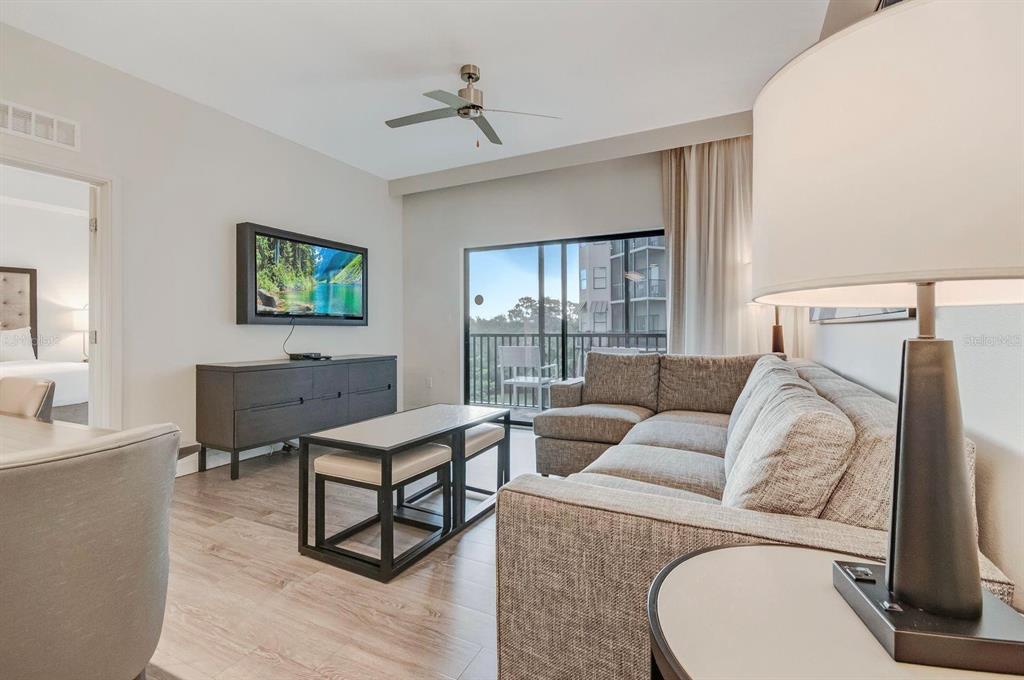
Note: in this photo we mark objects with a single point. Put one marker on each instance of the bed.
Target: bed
(18, 310)
(72, 377)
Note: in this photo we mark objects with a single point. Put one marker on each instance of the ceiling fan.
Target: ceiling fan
(469, 103)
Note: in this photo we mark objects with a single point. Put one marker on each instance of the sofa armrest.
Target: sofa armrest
(565, 393)
(574, 564)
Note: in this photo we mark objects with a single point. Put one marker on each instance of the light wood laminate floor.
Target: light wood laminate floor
(242, 604)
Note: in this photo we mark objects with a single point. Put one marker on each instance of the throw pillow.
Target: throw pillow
(16, 345)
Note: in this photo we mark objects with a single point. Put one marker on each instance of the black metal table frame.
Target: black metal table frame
(456, 438)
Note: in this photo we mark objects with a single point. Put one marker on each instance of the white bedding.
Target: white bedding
(72, 377)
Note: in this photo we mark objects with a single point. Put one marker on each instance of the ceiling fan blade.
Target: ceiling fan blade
(421, 117)
(486, 128)
(452, 100)
(523, 113)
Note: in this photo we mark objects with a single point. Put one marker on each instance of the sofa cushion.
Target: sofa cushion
(607, 423)
(609, 482)
(794, 456)
(863, 496)
(622, 379)
(700, 473)
(563, 457)
(702, 383)
(761, 391)
(690, 430)
(768, 364)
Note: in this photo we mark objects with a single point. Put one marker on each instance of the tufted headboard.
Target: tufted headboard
(18, 301)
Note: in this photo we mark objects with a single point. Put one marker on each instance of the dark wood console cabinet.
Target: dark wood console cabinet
(247, 404)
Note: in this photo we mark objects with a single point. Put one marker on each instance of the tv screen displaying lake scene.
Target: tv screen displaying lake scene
(298, 279)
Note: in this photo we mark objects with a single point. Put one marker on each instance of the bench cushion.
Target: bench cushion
(701, 473)
(605, 423)
(622, 379)
(483, 436)
(365, 468)
(689, 430)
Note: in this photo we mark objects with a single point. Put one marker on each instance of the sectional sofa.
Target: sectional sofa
(662, 455)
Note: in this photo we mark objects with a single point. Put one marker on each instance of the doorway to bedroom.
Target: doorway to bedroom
(48, 305)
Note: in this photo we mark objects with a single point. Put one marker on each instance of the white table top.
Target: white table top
(771, 612)
(394, 430)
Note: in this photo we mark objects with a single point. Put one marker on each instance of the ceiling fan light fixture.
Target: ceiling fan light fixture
(468, 104)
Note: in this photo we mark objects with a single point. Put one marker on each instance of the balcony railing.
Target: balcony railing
(654, 288)
(485, 374)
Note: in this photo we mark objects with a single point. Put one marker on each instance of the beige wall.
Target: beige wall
(989, 345)
(599, 198)
(183, 176)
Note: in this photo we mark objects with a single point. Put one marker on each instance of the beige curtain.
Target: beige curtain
(706, 194)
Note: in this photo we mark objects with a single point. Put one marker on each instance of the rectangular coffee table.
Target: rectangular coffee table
(394, 433)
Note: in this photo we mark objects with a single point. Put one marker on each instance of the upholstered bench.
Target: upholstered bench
(365, 472)
(478, 440)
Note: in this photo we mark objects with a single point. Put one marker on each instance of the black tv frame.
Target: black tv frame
(245, 271)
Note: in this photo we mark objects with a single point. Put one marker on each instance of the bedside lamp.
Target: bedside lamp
(889, 172)
(80, 324)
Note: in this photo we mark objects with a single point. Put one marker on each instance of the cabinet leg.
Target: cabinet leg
(234, 465)
(202, 458)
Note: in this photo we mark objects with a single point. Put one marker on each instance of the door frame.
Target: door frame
(563, 331)
(106, 366)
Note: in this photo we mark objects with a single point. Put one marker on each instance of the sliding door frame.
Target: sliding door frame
(564, 244)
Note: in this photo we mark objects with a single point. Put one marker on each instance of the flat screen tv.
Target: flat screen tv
(290, 278)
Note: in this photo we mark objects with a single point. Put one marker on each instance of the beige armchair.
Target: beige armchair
(29, 397)
(84, 556)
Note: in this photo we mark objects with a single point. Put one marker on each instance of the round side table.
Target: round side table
(765, 611)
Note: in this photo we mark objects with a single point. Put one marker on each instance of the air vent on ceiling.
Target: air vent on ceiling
(43, 127)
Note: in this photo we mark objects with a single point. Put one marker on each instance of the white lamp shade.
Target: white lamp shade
(893, 153)
(80, 320)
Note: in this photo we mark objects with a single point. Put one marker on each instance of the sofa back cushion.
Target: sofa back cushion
(770, 364)
(863, 496)
(770, 378)
(793, 457)
(630, 379)
(703, 383)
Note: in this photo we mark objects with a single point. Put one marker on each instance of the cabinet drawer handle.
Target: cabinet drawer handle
(267, 407)
(385, 388)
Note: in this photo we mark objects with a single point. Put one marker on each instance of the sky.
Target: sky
(504, 276)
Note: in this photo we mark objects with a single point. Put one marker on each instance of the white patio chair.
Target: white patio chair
(523, 363)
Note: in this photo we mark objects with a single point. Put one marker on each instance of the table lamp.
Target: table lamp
(80, 324)
(889, 172)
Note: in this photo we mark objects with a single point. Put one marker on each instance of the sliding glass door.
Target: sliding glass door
(533, 311)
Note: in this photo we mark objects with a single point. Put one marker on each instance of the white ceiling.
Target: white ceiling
(327, 74)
